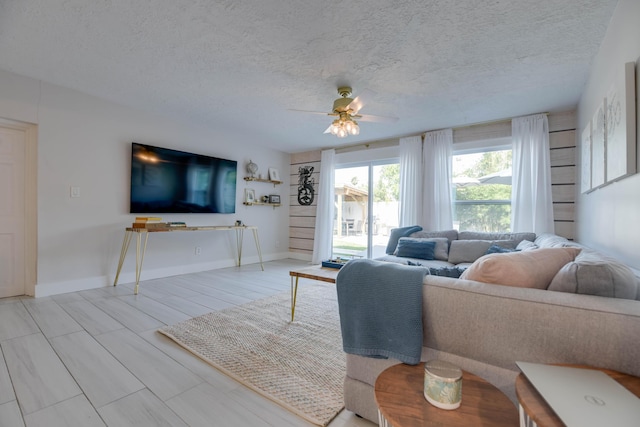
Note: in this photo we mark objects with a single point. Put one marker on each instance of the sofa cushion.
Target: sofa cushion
(451, 235)
(441, 250)
(548, 240)
(526, 245)
(467, 250)
(594, 274)
(479, 235)
(471, 250)
(416, 248)
(529, 269)
(397, 233)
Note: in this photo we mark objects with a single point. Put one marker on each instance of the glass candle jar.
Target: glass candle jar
(442, 384)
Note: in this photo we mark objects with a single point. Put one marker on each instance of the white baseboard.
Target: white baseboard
(55, 288)
(63, 287)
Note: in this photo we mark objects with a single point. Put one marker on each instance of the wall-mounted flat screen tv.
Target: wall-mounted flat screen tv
(171, 181)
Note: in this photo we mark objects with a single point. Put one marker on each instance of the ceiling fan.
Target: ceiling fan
(346, 110)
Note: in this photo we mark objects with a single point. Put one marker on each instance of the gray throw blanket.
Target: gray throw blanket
(380, 307)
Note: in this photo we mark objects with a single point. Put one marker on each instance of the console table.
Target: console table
(142, 236)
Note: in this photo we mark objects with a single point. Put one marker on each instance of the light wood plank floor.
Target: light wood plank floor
(94, 358)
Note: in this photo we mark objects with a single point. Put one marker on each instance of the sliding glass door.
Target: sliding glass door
(366, 208)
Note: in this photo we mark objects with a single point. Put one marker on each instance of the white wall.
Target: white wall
(607, 219)
(85, 141)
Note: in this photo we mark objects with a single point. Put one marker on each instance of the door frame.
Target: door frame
(30, 200)
(370, 165)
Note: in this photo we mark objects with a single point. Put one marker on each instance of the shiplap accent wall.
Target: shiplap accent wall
(302, 219)
(562, 144)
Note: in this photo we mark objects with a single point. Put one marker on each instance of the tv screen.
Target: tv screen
(171, 181)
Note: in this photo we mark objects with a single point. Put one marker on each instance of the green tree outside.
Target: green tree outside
(387, 189)
(485, 215)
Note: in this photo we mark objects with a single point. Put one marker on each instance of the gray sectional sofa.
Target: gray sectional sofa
(458, 249)
(588, 315)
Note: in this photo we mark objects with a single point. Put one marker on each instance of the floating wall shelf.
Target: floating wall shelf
(268, 181)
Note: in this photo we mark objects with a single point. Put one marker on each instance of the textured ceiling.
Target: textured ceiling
(239, 65)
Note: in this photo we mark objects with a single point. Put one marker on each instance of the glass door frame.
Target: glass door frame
(370, 164)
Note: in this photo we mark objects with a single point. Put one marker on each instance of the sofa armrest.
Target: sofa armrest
(500, 325)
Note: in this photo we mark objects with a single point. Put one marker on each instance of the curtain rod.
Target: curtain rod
(390, 142)
(488, 122)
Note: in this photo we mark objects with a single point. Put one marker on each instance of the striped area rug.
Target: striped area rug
(299, 365)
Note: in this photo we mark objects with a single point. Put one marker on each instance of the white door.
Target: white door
(12, 211)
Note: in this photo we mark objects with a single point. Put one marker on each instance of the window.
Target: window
(482, 190)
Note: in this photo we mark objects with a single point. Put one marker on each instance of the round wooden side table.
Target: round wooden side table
(399, 394)
(534, 410)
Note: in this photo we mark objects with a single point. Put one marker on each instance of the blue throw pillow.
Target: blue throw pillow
(495, 249)
(410, 248)
(397, 233)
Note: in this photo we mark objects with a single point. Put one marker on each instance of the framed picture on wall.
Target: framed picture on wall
(598, 159)
(585, 159)
(249, 195)
(620, 120)
(274, 198)
(274, 175)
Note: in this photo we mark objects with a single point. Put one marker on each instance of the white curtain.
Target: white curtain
(436, 189)
(531, 201)
(410, 181)
(322, 240)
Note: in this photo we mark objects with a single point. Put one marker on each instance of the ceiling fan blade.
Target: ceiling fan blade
(379, 119)
(362, 98)
(310, 112)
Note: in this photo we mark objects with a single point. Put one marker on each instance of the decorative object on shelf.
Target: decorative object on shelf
(238, 223)
(148, 222)
(274, 175)
(274, 198)
(176, 224)
(442, 384)
(252, 168)
(265, 199)
(306, 192)
(249, 195)
(153, 226)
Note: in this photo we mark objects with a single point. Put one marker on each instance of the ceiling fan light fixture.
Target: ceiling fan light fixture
(335, 126)
(344, 126)
(348, 126)
(355, 129)
(345, 110)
